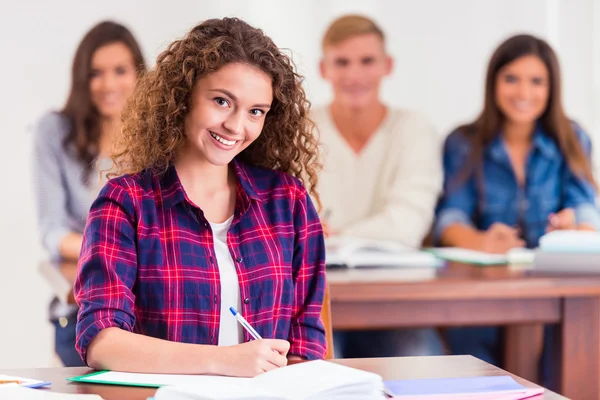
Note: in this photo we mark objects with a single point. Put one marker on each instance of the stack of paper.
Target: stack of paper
(569, 252)
(571, 242)
(476, 388)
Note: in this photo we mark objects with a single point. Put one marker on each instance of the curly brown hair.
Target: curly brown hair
(153, 129)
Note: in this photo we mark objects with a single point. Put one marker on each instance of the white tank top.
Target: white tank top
(230, 331)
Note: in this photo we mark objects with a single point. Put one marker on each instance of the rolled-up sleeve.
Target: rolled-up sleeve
(307, 333)
(578, 193)
(107, 268)
(458, 202)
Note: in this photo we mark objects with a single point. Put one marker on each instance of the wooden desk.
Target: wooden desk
(388, 368)
(470, 295)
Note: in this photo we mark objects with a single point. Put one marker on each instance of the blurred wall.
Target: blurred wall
(441, 49)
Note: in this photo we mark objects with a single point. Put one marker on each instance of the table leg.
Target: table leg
(580, 373)
(523, 348)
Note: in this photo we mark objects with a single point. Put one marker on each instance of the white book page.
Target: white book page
(311, 378)
(246, 389)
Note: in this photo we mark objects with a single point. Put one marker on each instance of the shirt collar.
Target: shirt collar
(247, 177)
(544, 143)
(172, 191)
(541, 141)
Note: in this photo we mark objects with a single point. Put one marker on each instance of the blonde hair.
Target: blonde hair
(348, 26)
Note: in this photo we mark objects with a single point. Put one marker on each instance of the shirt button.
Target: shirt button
(211, 259)
(239, 259)
(212, 340)
(206, 225)
(247, 300)
(216, 299)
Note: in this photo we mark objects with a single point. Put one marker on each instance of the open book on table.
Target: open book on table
(314, 380)
(363, 253)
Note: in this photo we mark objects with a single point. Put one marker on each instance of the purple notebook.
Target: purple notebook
(480, 384)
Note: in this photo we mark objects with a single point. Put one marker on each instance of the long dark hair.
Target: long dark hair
(487, 126)
(83, 116)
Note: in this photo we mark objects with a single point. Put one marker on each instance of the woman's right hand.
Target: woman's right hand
(255, 357)
(500, 238)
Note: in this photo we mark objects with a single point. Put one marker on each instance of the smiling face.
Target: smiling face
(228, 111)
(355, 68)
(113, 79)
(523, 90)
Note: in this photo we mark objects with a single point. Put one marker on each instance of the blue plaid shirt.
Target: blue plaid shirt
(550, 187)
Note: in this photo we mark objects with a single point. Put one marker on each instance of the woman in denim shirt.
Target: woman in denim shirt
(521, 169)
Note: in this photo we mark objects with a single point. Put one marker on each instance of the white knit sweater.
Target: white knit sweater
(389, 190)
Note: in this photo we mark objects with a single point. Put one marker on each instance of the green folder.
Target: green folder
(96, 377)
(515, 256)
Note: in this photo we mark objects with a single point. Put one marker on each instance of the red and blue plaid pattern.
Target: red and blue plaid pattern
(148, 262)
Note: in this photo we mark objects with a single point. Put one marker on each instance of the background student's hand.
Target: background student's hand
(326, 229)
(500, 238)
(255, 357)
(564, 219)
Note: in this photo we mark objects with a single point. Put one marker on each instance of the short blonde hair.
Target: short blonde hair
(348, 26)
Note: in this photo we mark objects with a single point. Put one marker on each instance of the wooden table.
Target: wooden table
(388, 368)
(469, 295)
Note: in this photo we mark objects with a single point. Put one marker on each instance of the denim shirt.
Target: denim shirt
(550, 187)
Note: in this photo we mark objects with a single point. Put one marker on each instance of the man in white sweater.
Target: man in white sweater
(382, 171)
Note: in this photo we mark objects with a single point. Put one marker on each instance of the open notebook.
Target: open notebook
(363, 253)
(314, 380)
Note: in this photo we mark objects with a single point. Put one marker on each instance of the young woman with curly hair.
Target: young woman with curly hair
(212, 211)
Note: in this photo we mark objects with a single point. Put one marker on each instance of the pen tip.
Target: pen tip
(233, 311)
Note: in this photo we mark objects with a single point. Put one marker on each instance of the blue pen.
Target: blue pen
(245, 324)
